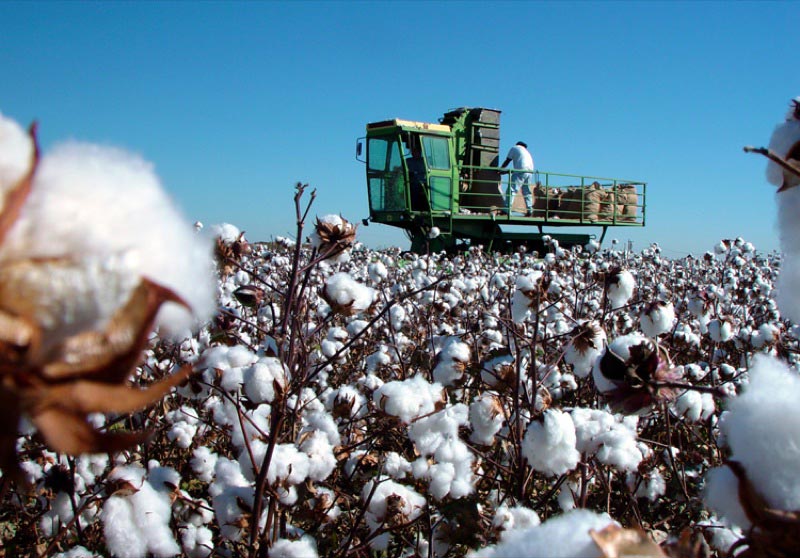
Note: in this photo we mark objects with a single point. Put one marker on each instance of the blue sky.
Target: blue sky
(236, 102)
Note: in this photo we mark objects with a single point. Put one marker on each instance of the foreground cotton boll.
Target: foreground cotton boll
(302, 548)
(720, 330)
(486, 418)
(106, 206)
(526, 296)
(16, 150)
(563, 536)
(390, 504)
(762, 429)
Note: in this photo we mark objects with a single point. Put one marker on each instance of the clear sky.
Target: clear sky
(236, 102)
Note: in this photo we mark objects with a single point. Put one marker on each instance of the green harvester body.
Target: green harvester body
(441, 184)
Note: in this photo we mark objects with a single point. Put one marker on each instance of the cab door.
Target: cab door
(439, 165)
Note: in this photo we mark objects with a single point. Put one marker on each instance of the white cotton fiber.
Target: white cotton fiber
(620, 290)
(408, 399)
(302, 548)
(563, 536)
(721, 494)
(95, 202)
(763, 431)
(549, 446)
(657, 319)
(16, 150)
(344, 291)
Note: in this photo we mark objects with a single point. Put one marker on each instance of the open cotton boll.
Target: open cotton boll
(507, 519)
(657, 318)
(721, 494)
(138, 524)
(611, 438)
(563, 536)
(16, 150)
(763, 431)
(225, 232)
(408, 399)
(261, 377)
(620, 288)
(302, 548)
(390, 497)
(97, 203)
(347, 295)
(549, 446)
(451, 362)
(486, 418)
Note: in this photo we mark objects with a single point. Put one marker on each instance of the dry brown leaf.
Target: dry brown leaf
(616, 542)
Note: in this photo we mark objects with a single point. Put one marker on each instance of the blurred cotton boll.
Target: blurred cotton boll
(16, 149)
(106, 206)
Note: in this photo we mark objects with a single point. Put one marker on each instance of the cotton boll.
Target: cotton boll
(408, 399)
(694, 406)
(657, 318)
(138, 524)
(226, 232)
(563, 536)
(549, 446)
(391, 498)
(486, 418)
(16, 151)
(348, 296)
(396, 466)
(76, 552)
(619, 287)
(321, 459)
(302, 548)
(261, 378)
(763, 431)
(197, 542)
(451, 362)
(377, 271)
(721, 494)
(99, 202)
(585, 347)
(508, 519)
(203, 462)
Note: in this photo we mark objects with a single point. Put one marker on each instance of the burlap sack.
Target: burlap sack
(570, 204)
(627, 203)
(541, 199)
(594, 200)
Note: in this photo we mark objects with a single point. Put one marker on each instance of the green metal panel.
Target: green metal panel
(441, 188)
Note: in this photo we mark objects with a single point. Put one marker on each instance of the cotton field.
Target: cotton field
(344, 401)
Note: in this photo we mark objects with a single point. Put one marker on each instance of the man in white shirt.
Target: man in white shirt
(523, 161)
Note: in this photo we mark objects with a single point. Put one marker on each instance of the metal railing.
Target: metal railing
(557, 198)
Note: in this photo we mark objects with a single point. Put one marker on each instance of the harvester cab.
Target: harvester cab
(441, 183)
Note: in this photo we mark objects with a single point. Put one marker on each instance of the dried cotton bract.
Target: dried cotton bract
(333, 236)
(90, 250)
